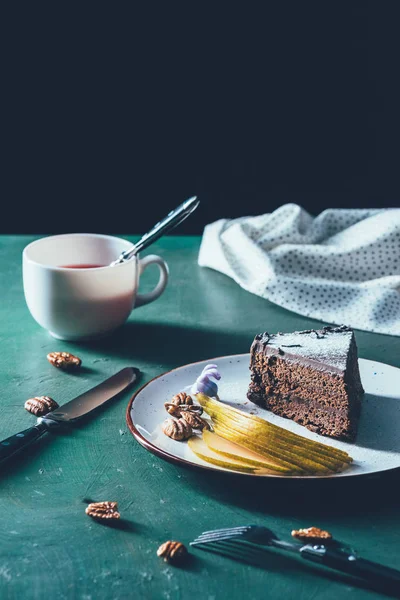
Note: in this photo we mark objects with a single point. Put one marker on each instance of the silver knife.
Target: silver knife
(70, 412)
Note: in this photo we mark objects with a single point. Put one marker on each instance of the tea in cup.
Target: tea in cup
(72, 291)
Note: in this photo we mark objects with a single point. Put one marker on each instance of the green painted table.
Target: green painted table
(50, 549)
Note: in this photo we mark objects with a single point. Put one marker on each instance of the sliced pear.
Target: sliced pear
(246, 441)
(269, 439)
(231, 450)
(216, 407)
(284, 449)
(200, 448)
(279, 454)
(310, 447)
(265, 443)
(274, 443)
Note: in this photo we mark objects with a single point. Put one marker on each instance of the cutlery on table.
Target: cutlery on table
(174, 218)
(336, 557)
(70, 412)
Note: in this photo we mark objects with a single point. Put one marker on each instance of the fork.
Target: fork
(340, 558)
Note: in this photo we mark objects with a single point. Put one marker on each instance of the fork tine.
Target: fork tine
(207, 539)
(226, 529)
(221, 534)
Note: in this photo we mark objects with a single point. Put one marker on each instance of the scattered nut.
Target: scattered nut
(40, 405)
(176, 411)
(64, 360)
(181, 398)
(172, 552)
(195, 421)
(312, 534)
(177, 429)
(103, 510)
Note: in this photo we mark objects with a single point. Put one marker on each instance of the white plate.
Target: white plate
(377, 447)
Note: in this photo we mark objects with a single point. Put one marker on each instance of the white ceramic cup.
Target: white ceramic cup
(83, 303)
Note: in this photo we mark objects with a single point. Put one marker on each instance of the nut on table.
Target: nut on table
(173, 552)
(64, 360)
(103, 510)
(40, 405)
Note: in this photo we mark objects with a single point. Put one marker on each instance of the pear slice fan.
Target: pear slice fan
(247, 443)
(235, 462)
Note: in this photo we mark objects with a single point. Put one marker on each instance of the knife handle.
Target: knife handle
(343, 560)
(19, 441)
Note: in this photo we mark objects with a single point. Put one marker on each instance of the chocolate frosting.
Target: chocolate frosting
(325, 349)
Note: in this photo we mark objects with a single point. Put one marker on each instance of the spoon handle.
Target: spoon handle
(174, 218)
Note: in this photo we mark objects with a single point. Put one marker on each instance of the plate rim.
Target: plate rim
(172, 458)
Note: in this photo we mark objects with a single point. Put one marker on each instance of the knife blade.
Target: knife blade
(70, 412)
(93, 398)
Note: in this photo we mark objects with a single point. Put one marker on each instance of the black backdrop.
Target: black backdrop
(114, 115)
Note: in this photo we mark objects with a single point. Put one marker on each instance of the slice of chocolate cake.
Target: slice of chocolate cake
(309, 376)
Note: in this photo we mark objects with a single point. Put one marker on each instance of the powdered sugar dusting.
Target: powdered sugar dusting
(329, 346)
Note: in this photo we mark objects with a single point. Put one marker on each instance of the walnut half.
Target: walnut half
(172, 552)
(177, 410)
(312, 534)
(40, 405)
(177, 429)
(195, 421)
(103, 510)
(181, 398)
(64, 360)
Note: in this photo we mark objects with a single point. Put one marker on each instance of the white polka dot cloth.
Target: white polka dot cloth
(342, 267)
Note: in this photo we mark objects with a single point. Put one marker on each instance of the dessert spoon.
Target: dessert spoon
(174, 218)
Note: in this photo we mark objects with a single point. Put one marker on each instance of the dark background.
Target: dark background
(113, 115)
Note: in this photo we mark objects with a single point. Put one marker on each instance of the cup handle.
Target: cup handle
(142, 299)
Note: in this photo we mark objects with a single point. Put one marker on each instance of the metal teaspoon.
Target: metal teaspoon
(174, 218)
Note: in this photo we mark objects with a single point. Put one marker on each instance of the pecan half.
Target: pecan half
(177, 429)
(181, 398)
(103, 510)
(177, 410)
(64, 360)
(172, 552)
(195, 421)
(40, 405)
(312, 534)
